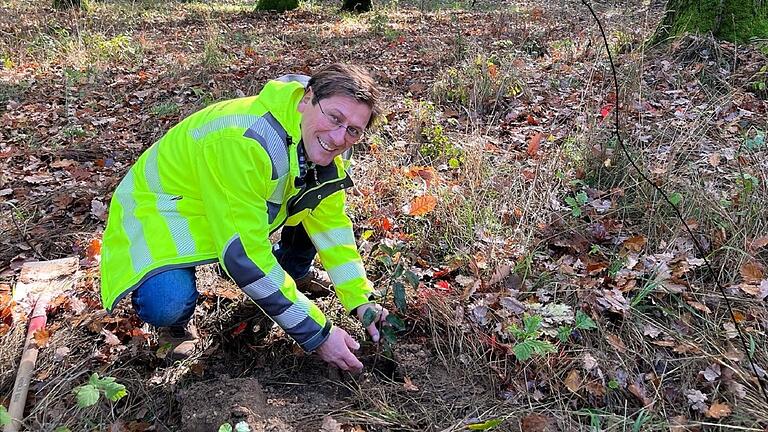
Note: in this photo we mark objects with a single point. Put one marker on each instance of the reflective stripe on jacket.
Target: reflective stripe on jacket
(213, 189)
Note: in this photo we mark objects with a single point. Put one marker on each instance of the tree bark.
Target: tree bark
(732, 20)
(357, 5)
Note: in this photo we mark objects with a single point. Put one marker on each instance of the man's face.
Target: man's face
(328, 127)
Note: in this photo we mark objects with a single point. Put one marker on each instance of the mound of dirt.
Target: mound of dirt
(207, 405)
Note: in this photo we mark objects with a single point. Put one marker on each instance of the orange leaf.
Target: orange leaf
(718, 410)
(493, 71)
(41, 337)
(534, 143)
(752, 271)
(93, 249)
(421, 205)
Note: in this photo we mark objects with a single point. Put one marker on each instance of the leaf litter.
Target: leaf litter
(59, 168)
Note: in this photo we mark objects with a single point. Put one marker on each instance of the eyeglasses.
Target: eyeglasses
(353, 133)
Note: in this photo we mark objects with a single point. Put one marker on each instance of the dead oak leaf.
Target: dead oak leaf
(752, 272)
(420, 205)
(718, 410)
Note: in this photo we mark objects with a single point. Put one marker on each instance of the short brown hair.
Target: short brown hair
(340, 79)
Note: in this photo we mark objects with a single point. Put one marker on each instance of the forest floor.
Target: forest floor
(557, 290)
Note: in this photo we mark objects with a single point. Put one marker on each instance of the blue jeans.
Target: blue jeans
(168, 299)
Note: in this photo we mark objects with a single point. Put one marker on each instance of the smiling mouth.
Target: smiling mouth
(325, 146)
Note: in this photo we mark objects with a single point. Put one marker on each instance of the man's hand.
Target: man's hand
(380, 316)
(337, 350)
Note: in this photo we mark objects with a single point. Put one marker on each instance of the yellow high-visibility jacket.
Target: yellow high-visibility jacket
(213, 189)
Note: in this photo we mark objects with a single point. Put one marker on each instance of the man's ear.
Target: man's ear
(305, 101)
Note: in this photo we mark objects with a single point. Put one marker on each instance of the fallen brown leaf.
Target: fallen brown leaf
(718, 410)
(752, 272)
(616, 342)
(534, 143)
(409, 385)
(573, 381)
(537, 423)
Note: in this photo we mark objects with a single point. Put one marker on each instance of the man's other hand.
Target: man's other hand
(380, 316)
(337, 350)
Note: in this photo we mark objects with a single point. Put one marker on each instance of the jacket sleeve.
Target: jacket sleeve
(235, 179)
(330, 229)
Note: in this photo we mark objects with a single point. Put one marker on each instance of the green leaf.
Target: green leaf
(114, 391)
(386, 260)
(563, 333)
(5, 418)
(523, 351)
(412, 278)
(398, 271)
(389, 335)
(226, 427)
(541, 347)
(531, 324)
(486, 425)
(396, 322)
(571, 202)
(242, 426)
(613, 384)
(366, 234)
(387, 250)
(94, 380)
(62, 429)
(454, 163)
(399, 292)
(86, 395)
(582, 198)
(758, 140)
(368, 317)
(675, 198)
(584, 322)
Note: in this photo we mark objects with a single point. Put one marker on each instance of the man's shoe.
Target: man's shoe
(315, 284)
(178, 342)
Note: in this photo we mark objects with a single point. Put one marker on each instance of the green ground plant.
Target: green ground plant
(89, 394)
(478, 84)
(527, 342)
(396, 277)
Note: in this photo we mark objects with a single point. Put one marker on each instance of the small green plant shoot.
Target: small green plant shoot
(88, 394)
(576, 203)
(239, 427)
(581, 322)
(528, 342)
(395, 273)
(5, 418)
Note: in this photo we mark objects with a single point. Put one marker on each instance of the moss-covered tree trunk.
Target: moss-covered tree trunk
(732, 20)
(357, 5)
